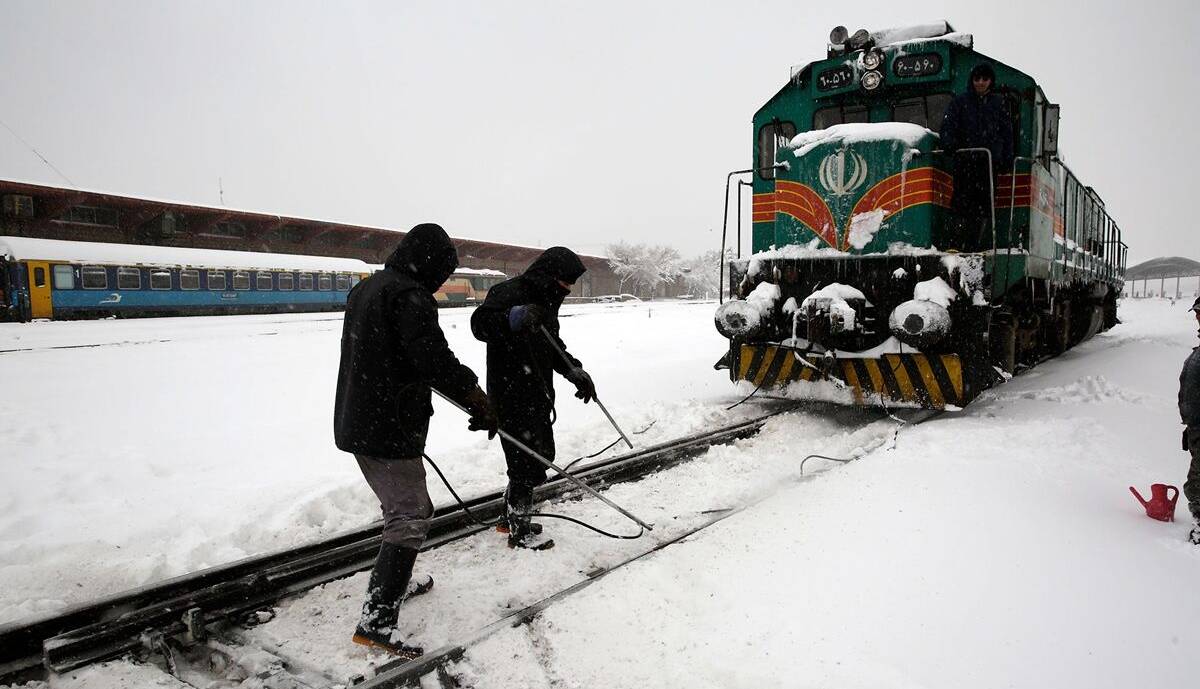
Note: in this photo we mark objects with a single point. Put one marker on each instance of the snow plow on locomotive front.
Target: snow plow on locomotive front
(905, 328)
(864, 272)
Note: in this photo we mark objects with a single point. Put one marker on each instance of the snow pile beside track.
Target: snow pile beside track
(995, 547)
(156, 447)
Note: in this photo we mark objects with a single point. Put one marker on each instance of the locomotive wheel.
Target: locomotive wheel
(1003, 339)
(1059, 340)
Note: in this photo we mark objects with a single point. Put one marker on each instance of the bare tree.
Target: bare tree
(701, 274)
(644, 268)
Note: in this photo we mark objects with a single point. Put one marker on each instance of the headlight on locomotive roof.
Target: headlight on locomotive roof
(872, 80)
(873, 59)
(919, 323)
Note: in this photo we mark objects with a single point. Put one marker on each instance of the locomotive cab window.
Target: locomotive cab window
(306, 282)
(93, 277)
(241, 280)
(129, 278)
(926, 111)
(216, 280)
(840, 114)
(343, 282)
(189, 279)
(324, 283)
(772, 137)
(64, 277)
(160, 279)
(263, 282)
(285, 282)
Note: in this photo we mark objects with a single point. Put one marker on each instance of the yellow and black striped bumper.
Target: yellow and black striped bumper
(932, 381)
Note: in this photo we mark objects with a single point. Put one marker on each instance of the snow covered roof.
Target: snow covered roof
(484, 272)
(141, 254)
(1163, 267)
(112, 198)
(939, 29)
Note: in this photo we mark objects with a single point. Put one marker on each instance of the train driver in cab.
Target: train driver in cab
(977, 119)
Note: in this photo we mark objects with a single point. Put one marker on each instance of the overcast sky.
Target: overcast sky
(575, 123)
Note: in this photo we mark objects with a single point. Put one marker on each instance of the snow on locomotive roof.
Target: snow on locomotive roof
(940, 30)
(859, 132)
(141, 254)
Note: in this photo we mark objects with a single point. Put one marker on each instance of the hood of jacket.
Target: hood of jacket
(556, 263)
(426, 254)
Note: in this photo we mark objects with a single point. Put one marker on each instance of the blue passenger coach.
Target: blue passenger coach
(54, 279)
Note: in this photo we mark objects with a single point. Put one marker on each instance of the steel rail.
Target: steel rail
(408, 673)
(114, 625)
(402, 674)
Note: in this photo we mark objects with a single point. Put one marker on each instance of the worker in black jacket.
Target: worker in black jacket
(393, 353)
(520, 366)
(974, 120)
(1189, 413)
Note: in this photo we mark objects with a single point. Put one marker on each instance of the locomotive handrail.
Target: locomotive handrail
(725, 222)
(1012, 205)
(991, 198)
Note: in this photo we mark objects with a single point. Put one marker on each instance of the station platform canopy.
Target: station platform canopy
(61, 213)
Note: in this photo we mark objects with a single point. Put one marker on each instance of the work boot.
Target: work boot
(386, 590)
(522, 533)
(418, 585)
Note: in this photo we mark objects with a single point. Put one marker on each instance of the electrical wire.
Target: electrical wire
(38, 154)
(501, 520)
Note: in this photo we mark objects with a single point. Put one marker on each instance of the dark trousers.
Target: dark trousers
(532, 428)
(403, 498)
(1191, 487)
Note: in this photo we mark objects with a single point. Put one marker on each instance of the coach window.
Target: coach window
(286, 281)
(241, 279)
(306, 282)
(94, 277)
(773, 136)
(263, 282)
(216, 280)
(160, 279)
(189, 279)
(64, 277)
(354, 280)
(324, 283)
(840, 114)
(343, 283)
(129, 278)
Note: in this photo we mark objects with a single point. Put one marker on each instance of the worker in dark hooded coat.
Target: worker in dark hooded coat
(393, 353)
(977, 119)
(521, 362)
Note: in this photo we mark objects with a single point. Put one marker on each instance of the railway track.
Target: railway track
(435, 667)
(180, 612)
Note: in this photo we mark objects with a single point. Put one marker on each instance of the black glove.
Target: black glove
(526, 318)
(483, 417)
(585, 389)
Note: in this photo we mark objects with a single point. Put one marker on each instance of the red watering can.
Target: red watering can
(1159, 506)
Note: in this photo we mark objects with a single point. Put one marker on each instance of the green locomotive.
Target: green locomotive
(861, 269)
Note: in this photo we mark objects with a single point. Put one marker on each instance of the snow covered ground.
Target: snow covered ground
(152, 448)
(993, 547)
